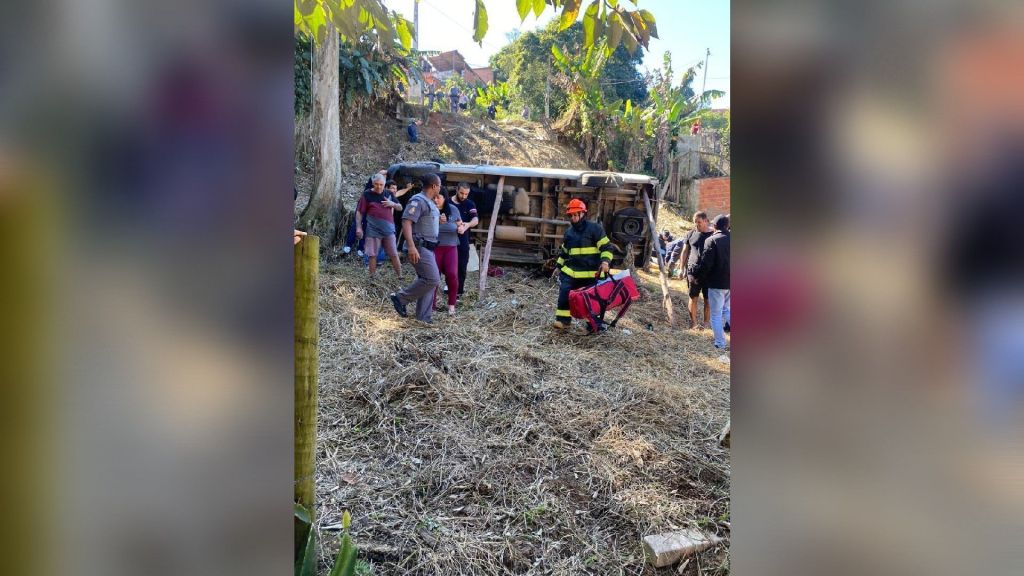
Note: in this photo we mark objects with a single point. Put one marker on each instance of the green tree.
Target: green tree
(369, 21)
(526, 64)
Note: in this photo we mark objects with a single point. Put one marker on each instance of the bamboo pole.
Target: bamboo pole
(666, 299)
(490, 240)
(307, 290)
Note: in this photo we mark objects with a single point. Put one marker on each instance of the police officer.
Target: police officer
(420, 221)
(585, 255)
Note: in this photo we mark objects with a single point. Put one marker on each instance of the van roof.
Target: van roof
(489, 169)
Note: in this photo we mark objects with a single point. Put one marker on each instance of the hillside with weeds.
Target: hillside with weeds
(376, 139)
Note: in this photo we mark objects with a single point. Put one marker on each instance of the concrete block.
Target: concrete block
(667, 549)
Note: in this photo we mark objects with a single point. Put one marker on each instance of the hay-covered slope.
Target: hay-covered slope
(488, 444)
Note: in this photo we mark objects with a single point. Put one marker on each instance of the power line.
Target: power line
(450, 19)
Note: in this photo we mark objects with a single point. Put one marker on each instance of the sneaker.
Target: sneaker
(399, 307)
(347, 249)
(451, 310)
(559, 325)
(360, 253)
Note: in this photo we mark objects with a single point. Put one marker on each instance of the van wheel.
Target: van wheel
(629, 225)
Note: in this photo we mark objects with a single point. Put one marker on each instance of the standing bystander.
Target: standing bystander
(447, 252)
(713, 271)
(691, 255)
(469, 220)
(378, 206)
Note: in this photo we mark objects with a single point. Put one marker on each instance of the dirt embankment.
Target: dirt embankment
(376, 140)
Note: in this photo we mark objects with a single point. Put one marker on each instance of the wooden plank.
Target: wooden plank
(666, 299)
(490, 240)
(307, 337)
(548, 209)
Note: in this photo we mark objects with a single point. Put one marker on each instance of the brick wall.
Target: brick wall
(713, 196)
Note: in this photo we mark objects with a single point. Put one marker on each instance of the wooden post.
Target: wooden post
(307, 292)
(666, 299)
(490, 240)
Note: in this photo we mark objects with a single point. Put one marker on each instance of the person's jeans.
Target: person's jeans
(448, 264)
(463, 264)
(719, 310)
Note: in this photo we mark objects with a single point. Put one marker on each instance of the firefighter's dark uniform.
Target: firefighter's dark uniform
(584, 248)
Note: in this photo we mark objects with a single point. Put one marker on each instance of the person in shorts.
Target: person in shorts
(691, 254)
(378, 205)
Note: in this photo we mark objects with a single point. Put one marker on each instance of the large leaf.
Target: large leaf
(404, 32)
(560, 58)
(648, 18)
(523, 6)
(614, 32)
(479, 22)
(628, 39)
(590, 22)
(345, 562)
(569, 14)
(305, 543)
(305, 7)
(640, 29)
(538, 7)
(367, 84)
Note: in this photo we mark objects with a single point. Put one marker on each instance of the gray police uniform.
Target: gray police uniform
(425, 223)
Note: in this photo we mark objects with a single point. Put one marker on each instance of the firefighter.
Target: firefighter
(584, 256)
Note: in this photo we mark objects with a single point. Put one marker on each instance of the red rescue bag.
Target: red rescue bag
(593, 302)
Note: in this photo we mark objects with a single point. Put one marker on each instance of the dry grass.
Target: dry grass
(487, 444)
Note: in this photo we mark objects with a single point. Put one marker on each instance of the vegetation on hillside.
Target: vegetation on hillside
(526, 64)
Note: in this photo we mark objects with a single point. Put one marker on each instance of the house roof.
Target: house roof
(486, 74)
(446, 61)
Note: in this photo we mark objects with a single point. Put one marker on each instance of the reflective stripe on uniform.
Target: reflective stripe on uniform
(559, 313)
(607, 255)
(560, 261)
(604, 240)
(587, 250)
(579, 273)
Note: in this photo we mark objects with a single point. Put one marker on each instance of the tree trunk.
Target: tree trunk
(324, 212)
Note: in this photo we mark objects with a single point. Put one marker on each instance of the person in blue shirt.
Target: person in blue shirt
(413, 131)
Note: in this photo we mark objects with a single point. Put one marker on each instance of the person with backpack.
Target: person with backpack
(584, 256)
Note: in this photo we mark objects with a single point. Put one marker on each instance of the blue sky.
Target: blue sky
(687, 28)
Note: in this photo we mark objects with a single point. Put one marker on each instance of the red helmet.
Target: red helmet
(575, 205)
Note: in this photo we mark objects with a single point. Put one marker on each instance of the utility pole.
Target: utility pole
(416, 25)
(704, 84)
